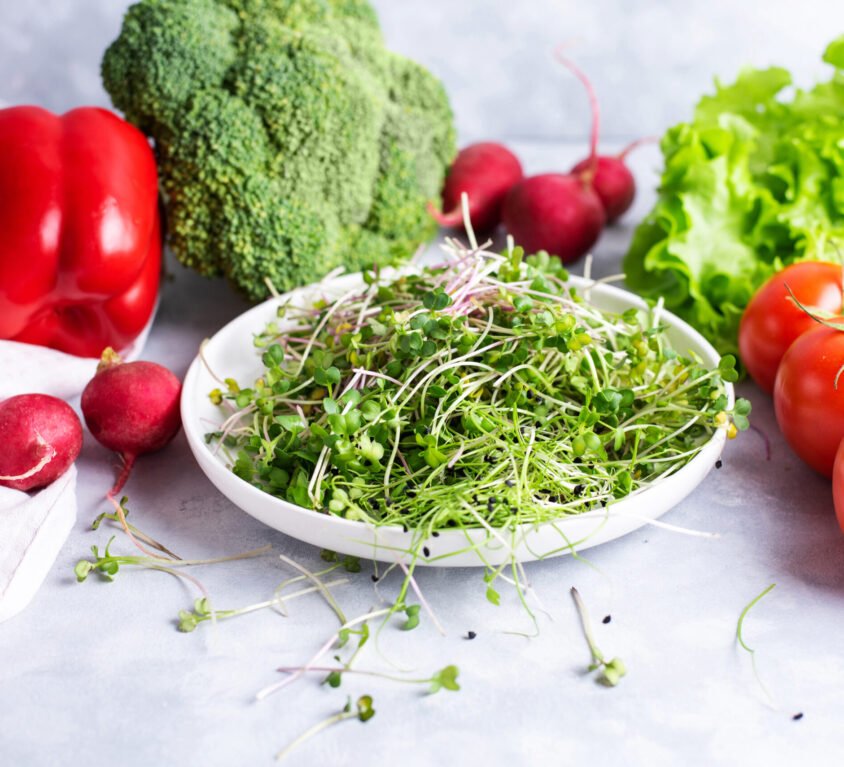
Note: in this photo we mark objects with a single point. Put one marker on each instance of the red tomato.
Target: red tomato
(809, 407)
(838, 485)
(772, 321)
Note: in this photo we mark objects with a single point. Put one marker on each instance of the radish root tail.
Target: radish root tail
(450, 219)
(128, 463)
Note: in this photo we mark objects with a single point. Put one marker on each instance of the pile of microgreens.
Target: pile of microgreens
(483, 392)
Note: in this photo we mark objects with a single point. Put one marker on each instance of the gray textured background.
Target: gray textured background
(649, 59)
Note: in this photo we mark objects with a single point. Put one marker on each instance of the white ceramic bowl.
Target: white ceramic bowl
(230, 353)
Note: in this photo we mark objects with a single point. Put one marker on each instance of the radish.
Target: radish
(556, 213)
(41, 437)
(485, 172)
(131, 408)
(608, 174)
(561, 214)
(612, 181)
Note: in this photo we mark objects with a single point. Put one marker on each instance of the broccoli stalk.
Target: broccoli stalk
(290, 141)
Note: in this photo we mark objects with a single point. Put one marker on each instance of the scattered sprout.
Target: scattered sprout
(611, 670)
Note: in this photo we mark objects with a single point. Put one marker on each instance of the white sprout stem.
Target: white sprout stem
(280, 601)
(318, 584)
(206, 364)
(610, 512)
(273, 688)
(391, 461)
(317, 474)
(657, 313)
(371, 373)
(315, 730)
(457, 455)
(467, 220)
(424, 602)
(322, 323)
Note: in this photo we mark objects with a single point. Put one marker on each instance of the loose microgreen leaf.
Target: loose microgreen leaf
(365, 712)
(412, 612)
(445, 679)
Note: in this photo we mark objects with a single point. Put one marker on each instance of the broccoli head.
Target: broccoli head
(290, 141)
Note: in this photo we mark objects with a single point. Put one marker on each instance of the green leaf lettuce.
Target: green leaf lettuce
(754, 182)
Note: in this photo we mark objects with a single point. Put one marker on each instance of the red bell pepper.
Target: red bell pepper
(80, 231)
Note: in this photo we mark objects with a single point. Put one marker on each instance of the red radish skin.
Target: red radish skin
(612, 181)
(131, 408)
(559, 214)
(41, 437)
(485, 172)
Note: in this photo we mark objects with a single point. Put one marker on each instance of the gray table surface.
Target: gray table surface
(96, 673)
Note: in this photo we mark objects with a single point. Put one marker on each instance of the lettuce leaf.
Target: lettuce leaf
(754, 182)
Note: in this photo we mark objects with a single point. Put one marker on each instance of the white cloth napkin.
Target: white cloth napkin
(33, 528)
(32, 531)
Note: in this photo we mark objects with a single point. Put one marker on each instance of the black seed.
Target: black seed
(578, 489)
(607, 619)
(797, 717)
(374, 578)
(509, 482)
(426, 551)
(404, 528)
(475, 499)
(435, 534)
(514, 510)
(577, 459)
(719, 463)
(472, 635)
(388, 502)
(451, 523)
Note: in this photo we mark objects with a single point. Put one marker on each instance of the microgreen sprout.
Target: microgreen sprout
(120, 521)
(362, 711)
(108, 565)
(611, 670)
(444, 679)
(190, 619)
(339, 638)
(740, 638)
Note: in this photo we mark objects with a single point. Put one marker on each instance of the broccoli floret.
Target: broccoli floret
(290, 141)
